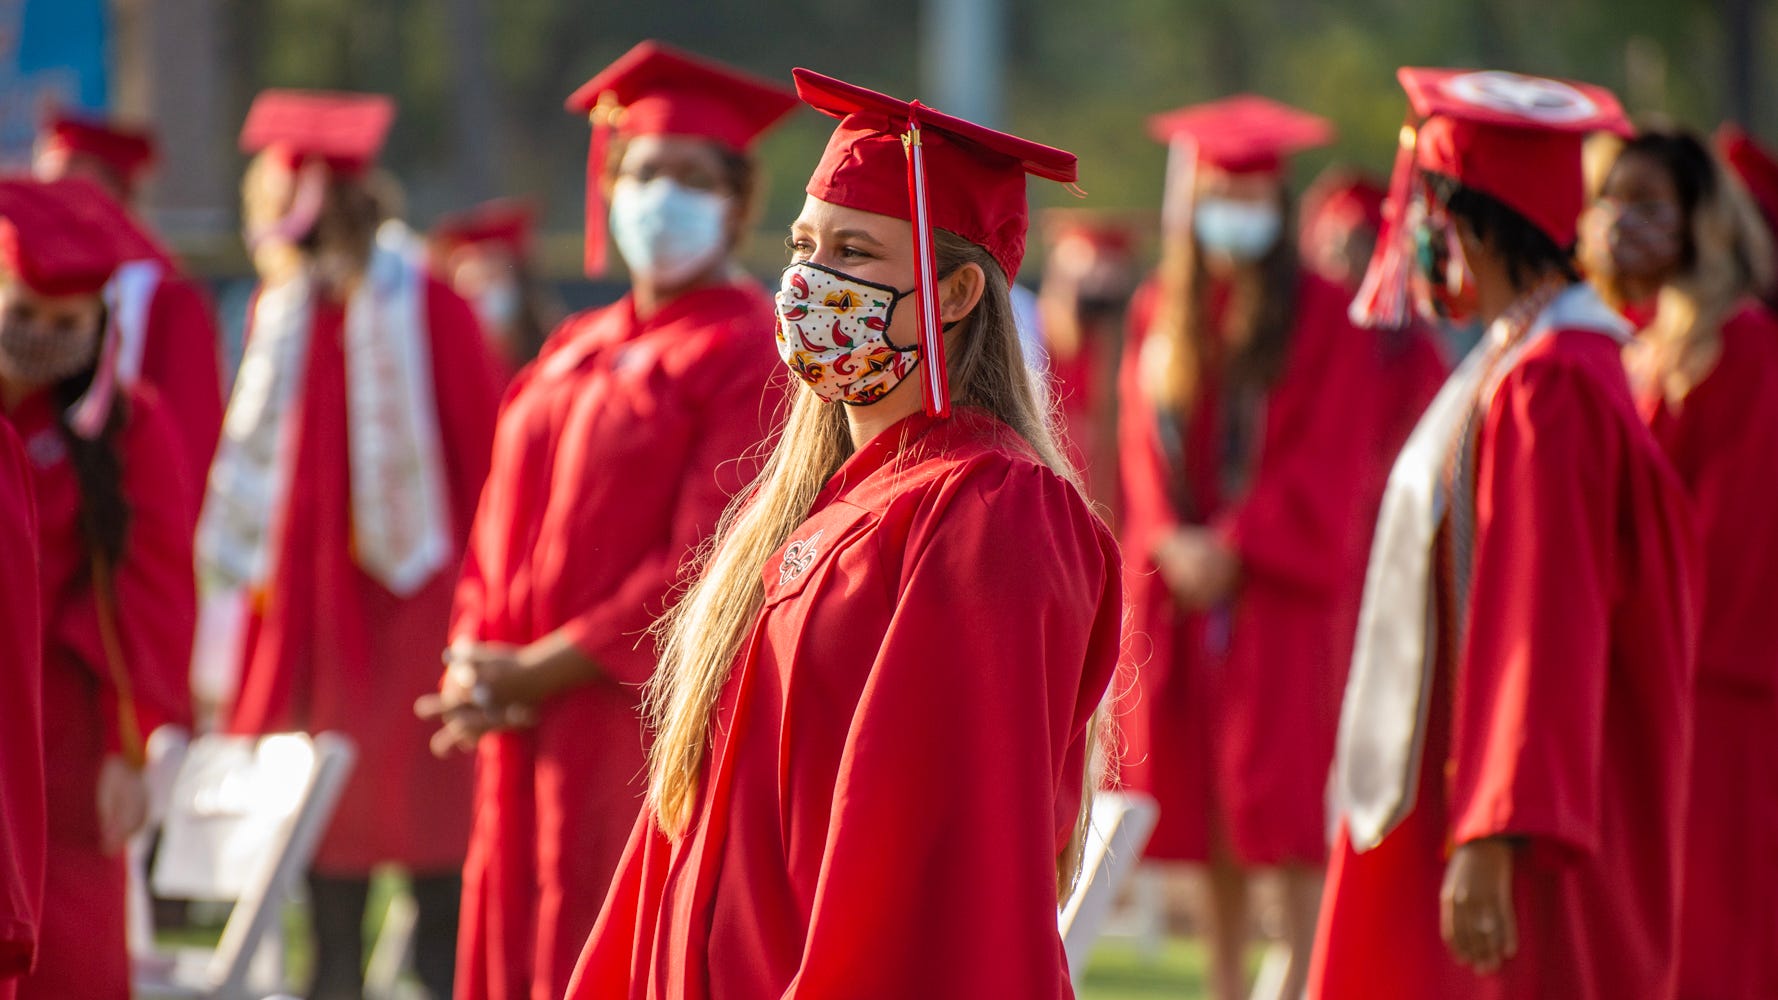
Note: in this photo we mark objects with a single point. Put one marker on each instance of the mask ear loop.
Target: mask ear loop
(932, 344)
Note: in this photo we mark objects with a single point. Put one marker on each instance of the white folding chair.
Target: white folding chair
(243, 821)
(166, 752)
(1118, 830)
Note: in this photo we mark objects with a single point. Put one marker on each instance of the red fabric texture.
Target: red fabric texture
(22, 822)
(1563, 720)
(182, 363)
(1229, 718)
(127, 151)
(896, 765)
(680, 405)
(81, 950)
(1243, 134)
(1722, 439)
(345, 130)
(664, 91)
(329, 648)
(57, 236)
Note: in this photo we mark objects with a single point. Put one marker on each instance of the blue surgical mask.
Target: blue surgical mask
(1239, 230)
(666, 231)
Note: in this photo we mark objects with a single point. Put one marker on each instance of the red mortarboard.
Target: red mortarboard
(907, 161)
(1107, 232)
(1242, 134)
(127, 152)
(54, 237)
(1343, 199)
(1514, 138)
(345, 130)
(506, 222)
(654, 89)
(1757, 168)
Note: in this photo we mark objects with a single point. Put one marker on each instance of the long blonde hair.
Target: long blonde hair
(702, 636)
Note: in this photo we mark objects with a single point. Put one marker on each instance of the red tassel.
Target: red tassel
(1382, 299)
(932, 336)
(604, 120)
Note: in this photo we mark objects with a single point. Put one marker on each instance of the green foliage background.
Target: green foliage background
(1082, 75)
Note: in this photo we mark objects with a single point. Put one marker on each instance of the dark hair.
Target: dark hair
(1528, 251)
(1689, 165)
(98, 468)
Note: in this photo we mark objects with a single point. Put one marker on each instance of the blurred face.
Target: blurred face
(1631, 236)
(487, 277)
(52, 164)
(45, 338)
(1238, 217)
(675, 214)
(1098, 278)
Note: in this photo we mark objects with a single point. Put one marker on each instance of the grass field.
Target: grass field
(1117, 972)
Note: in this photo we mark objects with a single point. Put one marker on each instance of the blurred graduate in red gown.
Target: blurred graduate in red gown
(1254, 433)
(1671, 239)
(873, 712)
(615, 454)
(356, 442)
(486, 255)
(114, 571)
(1088, 277)
(23, 826)
(165, 321)
(1512, 764)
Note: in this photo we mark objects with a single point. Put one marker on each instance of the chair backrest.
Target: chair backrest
(242, 825)
(1118, 830)
(166, 754)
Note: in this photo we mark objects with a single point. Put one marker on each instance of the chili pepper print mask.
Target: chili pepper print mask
(833, 332)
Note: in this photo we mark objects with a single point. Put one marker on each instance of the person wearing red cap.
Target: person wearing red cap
(114, 567)
(1088, 277)
(874, 713)
(22, 821)
(165, 321)
(1511, 765)
(1251, 433)
(484, 254)
(355, 447)
(615, 454)
(1670, 238)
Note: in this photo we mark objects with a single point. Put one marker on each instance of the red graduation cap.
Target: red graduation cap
(345, 130)
(654, 89)
(1111, 233)
(1337, 202)
(1757, 168)
(1243, 134)
(504, 222)
(126, 152)
(1515, 138)
(907, 161)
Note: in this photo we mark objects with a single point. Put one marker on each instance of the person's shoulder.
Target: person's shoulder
(977, 461)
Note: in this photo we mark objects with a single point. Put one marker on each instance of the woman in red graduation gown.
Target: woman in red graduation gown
(167, 336)
(615, 456)
(115, 574)
(1668, 239)
(874, 710)
(485, 254)
(1512, 766)
(1252, 449)
(356, 443)
(21, 734)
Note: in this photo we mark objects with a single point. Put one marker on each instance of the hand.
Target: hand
(466, 706)
(1198, 566)
(1476, 905)
(122, 801)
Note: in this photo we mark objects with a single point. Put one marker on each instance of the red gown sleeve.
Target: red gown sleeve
(1142, 469)
(155, 589)
(963, 764)
(22, 817)
(1528, 737)
(184, 366)
(467, 384)
(712, 453)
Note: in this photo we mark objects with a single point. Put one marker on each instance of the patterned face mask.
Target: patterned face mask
(833, 331)
(44, 357)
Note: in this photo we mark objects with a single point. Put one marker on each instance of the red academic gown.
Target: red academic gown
(181, 361)
(1232, 717)
(1562, 722)
(614, 456)
(898, 755)
(1723, 441)
(93, 708)
(332, 649)
(22, 823)
(1085, 388)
